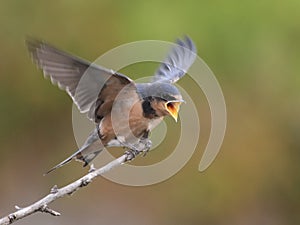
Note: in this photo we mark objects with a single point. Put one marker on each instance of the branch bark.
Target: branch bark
(55, 193)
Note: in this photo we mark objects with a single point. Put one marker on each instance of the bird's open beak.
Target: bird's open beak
(173, 109)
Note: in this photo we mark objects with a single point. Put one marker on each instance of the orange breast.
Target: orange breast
(126, 123)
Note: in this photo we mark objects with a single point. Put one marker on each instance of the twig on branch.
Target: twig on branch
(55, 193)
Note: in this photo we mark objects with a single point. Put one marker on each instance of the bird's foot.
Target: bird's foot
(131, 154)
(92, 168)
(143, 146)
(147, 146)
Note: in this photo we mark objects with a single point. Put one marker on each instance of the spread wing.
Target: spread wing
(82, 80)
(179, 60)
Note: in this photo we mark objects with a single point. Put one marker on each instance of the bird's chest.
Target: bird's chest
(126, 122)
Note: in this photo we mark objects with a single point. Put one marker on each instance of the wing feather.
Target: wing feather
(82, 80)
(179, 60)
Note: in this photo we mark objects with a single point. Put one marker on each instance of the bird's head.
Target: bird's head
(162, 99)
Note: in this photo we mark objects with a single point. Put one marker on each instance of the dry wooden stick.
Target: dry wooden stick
(55, 193)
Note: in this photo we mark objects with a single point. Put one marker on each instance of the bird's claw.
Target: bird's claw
(143, 146)
(131, 154)
(145, 152)
(54, 189)
(148, 144)
(92, 168)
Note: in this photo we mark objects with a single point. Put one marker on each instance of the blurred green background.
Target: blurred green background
(253, 47)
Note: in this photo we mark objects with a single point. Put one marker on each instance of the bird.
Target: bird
(124, 112)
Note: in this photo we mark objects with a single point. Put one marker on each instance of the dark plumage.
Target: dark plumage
(113, 101)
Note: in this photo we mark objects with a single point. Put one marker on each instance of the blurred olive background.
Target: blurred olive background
(253, 47)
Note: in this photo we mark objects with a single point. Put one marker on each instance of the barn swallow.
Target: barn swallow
(124, 112)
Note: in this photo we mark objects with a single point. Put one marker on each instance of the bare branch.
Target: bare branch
(55, 193)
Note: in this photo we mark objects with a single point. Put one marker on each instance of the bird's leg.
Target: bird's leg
(146, 134)
(143, 145)
(92, 168)
(146, 142)
(147, 145)
(131, 154)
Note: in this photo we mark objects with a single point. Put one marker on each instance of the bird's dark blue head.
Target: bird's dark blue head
(163, 90)
(166, 91)
(160, 99)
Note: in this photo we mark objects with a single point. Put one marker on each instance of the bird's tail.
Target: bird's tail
(90, 149)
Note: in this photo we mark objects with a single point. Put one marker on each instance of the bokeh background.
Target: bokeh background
(253, 47)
